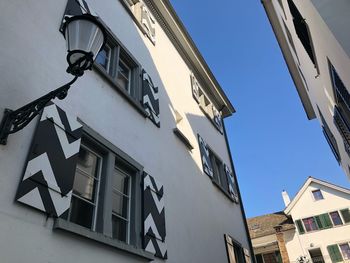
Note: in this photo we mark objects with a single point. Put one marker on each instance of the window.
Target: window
(85, 189)
(317, 194)
(345, 250)
(120, 69)
(104, 189)
(346, 215)
(336, 218)
(121, 204)
(219, 175)
(302, 31)
(310, 224)
(234, 250)
(342, 109)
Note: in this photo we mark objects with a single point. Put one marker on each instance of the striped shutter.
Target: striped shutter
(154, 217)
(150, 98)
(300, 226)
(204, 151)
(231, 184)
(148, 23)
(47, 181)
(217, 120)
(195, 88)
(334, 253)
(76, 7)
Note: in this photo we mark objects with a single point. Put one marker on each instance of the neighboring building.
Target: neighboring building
(313, 37)
(134, 165)
(321, 231)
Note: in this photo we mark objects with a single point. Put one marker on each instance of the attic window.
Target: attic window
(317, 195)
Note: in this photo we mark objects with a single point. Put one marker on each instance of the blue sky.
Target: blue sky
(274, 145)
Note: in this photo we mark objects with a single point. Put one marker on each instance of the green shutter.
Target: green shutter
(326, 220)
(334, 253)
(319, 222)
(346, 215)
(300, 226)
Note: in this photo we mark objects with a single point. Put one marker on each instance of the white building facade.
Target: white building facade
(314, 227)
(134, 164)
(313, 39)
(321, 213)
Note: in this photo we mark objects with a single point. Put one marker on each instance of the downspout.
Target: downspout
(239, 196)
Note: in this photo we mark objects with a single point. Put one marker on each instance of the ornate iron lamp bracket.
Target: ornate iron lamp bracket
(14, 121)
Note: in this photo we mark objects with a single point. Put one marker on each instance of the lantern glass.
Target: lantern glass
(83, 35)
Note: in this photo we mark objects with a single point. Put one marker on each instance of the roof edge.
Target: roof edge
(183, 42)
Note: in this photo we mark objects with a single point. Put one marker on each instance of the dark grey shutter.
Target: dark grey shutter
(76, 7)
(48, 178)
(195, 88)
(148, 23)
(231, 184)
(204, 151)
(150, 98)
(217, 119)
(154, 217)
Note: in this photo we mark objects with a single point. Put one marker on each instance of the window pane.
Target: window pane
(123, 77)
(88, 162)
(336, 218)
(103, 57)
(81, 212)
(317, 195)
(84, 186)
(121, 182)
(345, 250)
(119, 228)
(310, 224)
(120, 204)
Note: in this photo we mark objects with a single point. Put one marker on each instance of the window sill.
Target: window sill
(222, 190)
(137, 105)
(183, 139)
(61, 224)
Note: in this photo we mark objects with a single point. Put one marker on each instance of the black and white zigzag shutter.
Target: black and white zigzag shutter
(204, 150)
(150, 98)
(217, 119)
(231, 184)
(154, 217)
(76, 7)
(48, 178)
(195, 88)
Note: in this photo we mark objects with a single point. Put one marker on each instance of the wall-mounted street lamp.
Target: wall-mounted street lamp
(85, 36)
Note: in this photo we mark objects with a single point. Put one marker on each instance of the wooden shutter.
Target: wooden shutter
(334, 253)
(232, 189)
(232, 257)
(150, 98)
(48, 178)
(204, 151)
(326, 221)
(154, 217)
(346, 215)
(300, 226)
(195, 88)
(319, 222)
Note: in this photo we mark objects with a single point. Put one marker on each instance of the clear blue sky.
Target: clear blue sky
(274, 145)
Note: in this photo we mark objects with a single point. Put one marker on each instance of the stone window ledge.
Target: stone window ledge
(61, 224)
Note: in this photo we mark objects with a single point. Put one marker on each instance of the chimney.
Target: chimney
(286, 198)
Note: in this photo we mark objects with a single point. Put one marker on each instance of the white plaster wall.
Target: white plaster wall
(326, 45)
(33, 62)
(307, 207)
